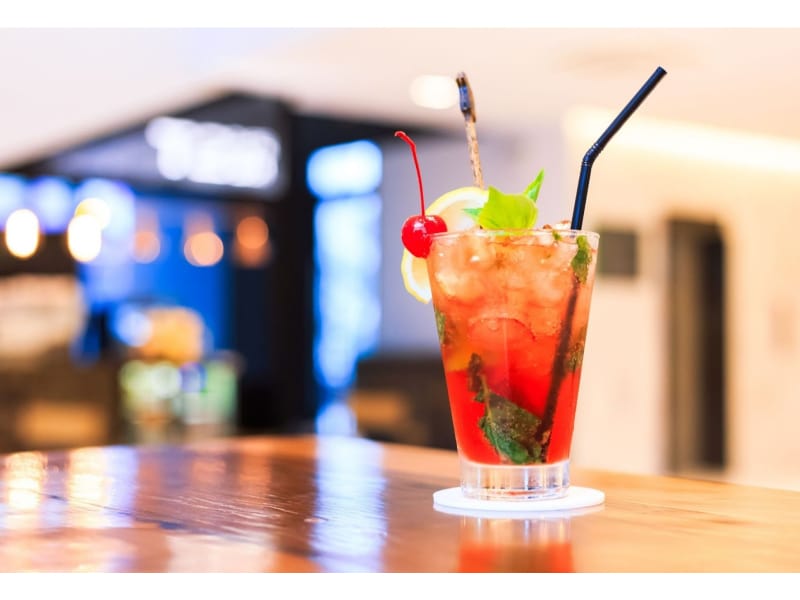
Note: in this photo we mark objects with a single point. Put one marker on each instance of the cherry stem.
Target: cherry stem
(413, 146)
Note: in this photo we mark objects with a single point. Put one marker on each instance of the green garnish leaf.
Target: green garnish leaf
(582, 259)
(574, 358)
(532, 191)
(476, 382)
(509, 211)
(511, 430)
(441, 329)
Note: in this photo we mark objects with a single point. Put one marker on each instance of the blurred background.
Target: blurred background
(200, 232)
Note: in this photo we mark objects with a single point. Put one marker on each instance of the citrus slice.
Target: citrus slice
(450, 207)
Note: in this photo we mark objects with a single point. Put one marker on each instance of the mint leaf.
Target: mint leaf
(582, 259)
(574, 358)
(511, 430)
(532, 191)
(441, 329)
(509, 211)
(476, 382)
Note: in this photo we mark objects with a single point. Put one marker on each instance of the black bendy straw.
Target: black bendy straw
(559, 360)
(597, 147)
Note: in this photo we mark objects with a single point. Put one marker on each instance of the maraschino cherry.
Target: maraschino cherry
(417, 230)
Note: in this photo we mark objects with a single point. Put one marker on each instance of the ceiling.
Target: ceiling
(65, 86)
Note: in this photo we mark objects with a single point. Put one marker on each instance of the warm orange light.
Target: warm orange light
(203, 249)
(252, 232)
(252, 248)
(146, 246)
(22, 233)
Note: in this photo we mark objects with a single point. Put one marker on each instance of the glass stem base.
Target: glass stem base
(514, 482)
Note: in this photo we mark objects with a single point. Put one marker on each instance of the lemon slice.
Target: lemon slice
(450, 207)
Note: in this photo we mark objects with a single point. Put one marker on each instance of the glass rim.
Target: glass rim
(479, 232)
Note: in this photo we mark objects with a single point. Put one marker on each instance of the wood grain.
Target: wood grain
(308, 504)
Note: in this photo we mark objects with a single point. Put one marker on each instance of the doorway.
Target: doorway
(696, 305)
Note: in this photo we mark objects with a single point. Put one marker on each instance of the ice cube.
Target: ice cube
(460, 267)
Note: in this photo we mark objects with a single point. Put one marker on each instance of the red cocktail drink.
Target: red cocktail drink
(512, 310)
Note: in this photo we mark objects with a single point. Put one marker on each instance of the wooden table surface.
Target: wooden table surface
(308, 504)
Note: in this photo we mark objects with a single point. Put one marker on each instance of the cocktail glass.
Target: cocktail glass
(512, 310)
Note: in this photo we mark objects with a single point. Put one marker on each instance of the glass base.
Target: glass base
(514, 482)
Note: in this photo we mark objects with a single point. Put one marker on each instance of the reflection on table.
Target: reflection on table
(338, 504)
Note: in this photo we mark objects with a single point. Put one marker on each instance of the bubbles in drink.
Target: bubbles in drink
(467, 263)
(503, 297)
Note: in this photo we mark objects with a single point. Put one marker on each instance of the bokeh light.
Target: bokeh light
(22, 233)
(146, 246)
(438, 92)
(84, 237)
(97, 208)
(252, 246)
(203, 249)
(252, 232)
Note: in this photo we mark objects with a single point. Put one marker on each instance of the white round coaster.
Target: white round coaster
(577, 500)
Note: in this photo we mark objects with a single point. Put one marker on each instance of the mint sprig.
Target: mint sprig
(582, 259)
(509, 429)
(509, 211)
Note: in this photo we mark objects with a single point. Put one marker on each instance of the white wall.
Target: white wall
(622, 420)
